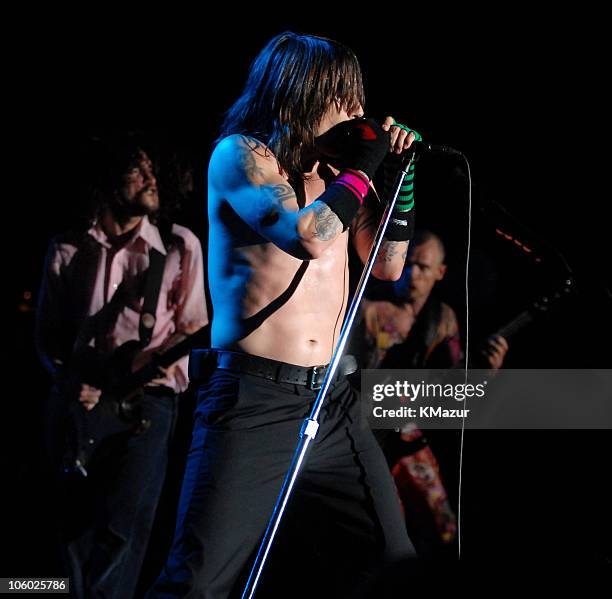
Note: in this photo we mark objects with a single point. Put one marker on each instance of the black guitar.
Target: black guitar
(412, 352)
(536, 309)
(119, 410)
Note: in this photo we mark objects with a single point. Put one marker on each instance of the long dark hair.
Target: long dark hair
(291, 84)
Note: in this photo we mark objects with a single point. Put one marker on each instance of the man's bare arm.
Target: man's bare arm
(392, 255)
(245, 173)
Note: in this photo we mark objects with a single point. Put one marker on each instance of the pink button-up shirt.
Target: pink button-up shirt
(100, 272)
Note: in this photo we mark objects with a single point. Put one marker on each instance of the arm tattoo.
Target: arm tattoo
(326, 222)
(247, 160)
(273, 199)
(279, 194)
(390, 249)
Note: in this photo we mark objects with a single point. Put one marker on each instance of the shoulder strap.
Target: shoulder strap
(169, 239)
(412, 353)
(155, 275)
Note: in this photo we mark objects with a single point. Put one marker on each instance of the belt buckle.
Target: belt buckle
(312, 379)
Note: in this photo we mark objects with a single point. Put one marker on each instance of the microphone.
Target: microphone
(422, 147)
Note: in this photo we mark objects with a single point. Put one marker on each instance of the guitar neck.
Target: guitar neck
(541, 306)
(147, 373)
(176, 352)
(516, 324)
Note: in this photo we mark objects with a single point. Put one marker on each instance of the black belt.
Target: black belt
(203, 361)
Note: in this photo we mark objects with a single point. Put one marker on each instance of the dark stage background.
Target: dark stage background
(533, 502)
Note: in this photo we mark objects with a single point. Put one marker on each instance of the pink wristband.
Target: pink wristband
(355, 182)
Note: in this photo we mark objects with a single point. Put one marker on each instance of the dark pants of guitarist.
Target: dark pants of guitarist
(105, 520)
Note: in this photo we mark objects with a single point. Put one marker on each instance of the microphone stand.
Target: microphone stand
(310, 426)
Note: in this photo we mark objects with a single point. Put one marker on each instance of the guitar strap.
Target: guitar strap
(153, 282)
(412, 353)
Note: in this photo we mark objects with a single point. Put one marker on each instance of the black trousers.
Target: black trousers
(343, 520)
(106, 520)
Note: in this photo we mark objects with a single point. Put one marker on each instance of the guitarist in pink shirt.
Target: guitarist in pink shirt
(98, 300)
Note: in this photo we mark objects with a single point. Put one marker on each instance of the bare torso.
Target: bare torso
(260, 303)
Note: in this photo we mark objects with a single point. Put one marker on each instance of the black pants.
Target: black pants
(344, 516)
(106, 519)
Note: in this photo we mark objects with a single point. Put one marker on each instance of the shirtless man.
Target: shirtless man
(280, 222)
